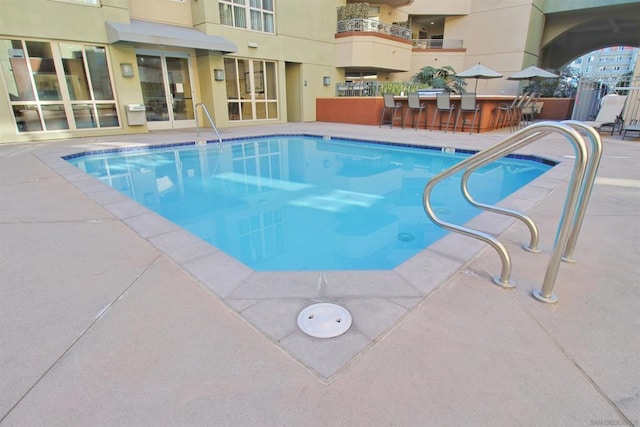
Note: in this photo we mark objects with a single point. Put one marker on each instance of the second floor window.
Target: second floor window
(257, 15)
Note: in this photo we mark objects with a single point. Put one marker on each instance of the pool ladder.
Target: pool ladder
(580, 186)
(206, 113)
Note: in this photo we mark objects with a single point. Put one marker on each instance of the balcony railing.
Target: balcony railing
(437, 44)
(373, 26)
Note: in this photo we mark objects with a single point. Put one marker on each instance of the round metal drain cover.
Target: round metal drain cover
(406, 237)
(324, 320)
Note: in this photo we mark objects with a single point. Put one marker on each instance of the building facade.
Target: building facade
(609, 62)
(75, 68)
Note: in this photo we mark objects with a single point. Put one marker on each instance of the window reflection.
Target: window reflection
(38, 72)
(73, 63)
(44, 71)
(251, 89)
(15, 70)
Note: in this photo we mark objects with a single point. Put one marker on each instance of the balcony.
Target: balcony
(371, 44)
(373, 26)
(444, 44)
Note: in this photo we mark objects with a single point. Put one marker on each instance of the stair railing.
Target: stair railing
(206, 113)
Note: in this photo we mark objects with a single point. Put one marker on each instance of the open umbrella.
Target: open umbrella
(479, 72)
(531, 73)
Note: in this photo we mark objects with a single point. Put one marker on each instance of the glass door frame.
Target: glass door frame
(172, 123)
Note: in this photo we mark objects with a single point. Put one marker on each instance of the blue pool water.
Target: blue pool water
(303, 202)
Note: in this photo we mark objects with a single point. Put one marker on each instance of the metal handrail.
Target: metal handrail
(206, 112)
(587, 185)
(533, 229)
(575, 194)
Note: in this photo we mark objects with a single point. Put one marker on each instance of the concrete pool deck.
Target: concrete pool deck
(112, 316)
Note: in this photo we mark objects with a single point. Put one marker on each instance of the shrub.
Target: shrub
(441, 78)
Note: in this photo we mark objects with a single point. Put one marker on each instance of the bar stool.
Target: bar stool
(467, 105)
(503, 113)
(392, 107)
(413, 105)
(443, 105)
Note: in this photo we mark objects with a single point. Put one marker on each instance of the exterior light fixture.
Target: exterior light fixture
(127, 70)
(326, 80)
(218, 75)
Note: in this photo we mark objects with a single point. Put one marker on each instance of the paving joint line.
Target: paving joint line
(97, 318)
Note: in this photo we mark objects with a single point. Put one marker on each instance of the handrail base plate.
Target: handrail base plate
(506, 285)
(553, 298)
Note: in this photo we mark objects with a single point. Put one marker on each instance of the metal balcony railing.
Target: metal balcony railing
(373, 26)
(437, 44)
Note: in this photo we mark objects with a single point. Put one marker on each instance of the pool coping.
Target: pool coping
(270, 301)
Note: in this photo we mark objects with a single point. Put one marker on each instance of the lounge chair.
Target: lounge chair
(632, 128)
(610, 113)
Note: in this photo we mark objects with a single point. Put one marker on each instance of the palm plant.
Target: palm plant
(441, 78)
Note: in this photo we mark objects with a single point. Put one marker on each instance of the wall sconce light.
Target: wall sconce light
(326, 80)
(127, 70)
(218, 75)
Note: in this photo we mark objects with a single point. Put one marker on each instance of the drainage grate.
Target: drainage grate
(324, 320)
(406, 237)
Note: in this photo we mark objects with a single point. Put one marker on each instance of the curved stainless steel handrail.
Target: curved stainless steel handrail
(587, 184)
(206, 112)
(510, 144)
(533, 229)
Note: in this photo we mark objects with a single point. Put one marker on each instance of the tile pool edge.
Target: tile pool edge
(195, 257)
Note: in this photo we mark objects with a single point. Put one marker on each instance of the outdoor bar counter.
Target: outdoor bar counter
(368, 111)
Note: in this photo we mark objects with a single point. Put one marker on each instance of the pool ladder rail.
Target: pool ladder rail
(578, 194)
(213, 125)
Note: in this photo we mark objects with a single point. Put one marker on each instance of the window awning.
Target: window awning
(169, 35)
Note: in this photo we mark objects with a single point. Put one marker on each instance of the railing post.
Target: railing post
(206, 112)
(587, 185)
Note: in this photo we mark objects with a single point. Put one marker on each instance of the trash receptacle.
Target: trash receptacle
(136, 114)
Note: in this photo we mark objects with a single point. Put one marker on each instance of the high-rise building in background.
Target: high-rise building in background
(609, 62)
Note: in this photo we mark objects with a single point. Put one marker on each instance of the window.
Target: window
(251, 89)
(55, 86)
(590, 59)
(257, 15)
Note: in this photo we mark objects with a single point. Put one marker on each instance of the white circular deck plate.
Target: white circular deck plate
(324, 320)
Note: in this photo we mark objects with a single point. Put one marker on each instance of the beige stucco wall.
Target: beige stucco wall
(497, 34)
(372, 50)
(47, 19)
(170, 12)
(439, 7)
(309, 42)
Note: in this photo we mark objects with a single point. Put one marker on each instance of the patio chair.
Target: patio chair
(413, 105)
(631, 128)
(504, 112)
(610, 114)
(443, 105)
(391, 107)
(526, 108)
(467, 105)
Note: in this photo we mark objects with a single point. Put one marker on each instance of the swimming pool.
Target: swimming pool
(302, 202)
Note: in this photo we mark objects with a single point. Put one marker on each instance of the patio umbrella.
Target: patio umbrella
(479, 72)
(531, 73)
